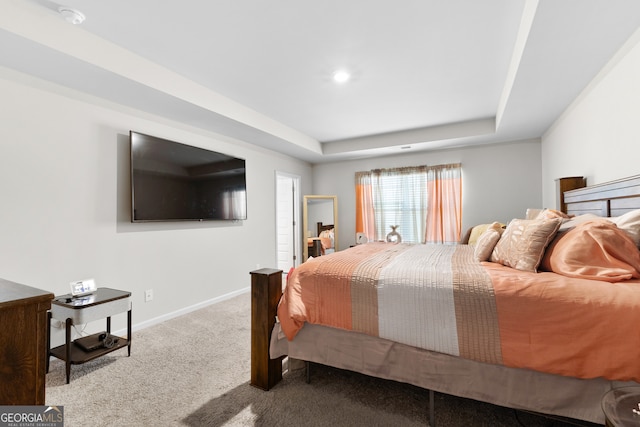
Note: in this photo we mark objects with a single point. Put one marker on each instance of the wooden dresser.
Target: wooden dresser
(23, 343)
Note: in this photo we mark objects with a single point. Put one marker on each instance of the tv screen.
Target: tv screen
(171, 181)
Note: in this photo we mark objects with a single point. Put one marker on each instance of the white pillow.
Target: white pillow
(629, 222)
(579, 219)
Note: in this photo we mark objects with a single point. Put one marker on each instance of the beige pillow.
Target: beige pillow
(523, 243)
(629, 222)
(487, 241)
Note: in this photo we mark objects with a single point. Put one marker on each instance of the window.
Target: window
(424, 202)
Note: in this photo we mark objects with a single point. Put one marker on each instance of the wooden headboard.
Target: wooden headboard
(612, 198)
(322, 228)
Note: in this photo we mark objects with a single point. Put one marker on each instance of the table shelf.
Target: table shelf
(80, 356)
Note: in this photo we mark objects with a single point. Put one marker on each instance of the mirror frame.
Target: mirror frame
(305, 229)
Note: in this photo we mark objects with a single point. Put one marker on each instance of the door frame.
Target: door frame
(295, 228)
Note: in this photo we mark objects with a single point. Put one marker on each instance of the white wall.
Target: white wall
(64, 214)
(599, 135)
(499, 182)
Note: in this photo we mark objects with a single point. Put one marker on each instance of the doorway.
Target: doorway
(288, 252)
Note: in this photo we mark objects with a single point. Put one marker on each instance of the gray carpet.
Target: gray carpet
(194, 371)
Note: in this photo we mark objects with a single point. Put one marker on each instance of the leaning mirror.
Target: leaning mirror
(320, 225)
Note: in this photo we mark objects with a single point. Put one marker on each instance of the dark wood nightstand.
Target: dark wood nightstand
(23, 343)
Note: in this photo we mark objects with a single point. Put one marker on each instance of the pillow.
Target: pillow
(477, 231)
(326, 237)
(551, 213)
(523, 243)
(487, 241)
(629, 222)
(568, 224)
(596, 250)
(579, 219)
(532, 213)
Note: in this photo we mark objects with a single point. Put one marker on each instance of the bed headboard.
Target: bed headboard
(612, 198)
(322, 228)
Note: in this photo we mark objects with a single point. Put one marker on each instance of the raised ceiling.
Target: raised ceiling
(426, 74)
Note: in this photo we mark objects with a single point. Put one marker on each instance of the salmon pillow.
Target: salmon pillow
(596, 250)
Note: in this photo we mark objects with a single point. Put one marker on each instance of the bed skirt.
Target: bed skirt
(510, 387)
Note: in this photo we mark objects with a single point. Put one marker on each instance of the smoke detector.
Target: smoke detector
(71, 15)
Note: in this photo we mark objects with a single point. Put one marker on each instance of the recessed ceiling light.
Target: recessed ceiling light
(71, 15)
(341, 76)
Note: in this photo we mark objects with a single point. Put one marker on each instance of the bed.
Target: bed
(551, 340)
(324, 243)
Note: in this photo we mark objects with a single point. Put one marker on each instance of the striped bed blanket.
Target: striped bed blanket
(439, 298)
(430, 296)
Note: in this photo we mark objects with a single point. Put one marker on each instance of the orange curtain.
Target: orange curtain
(444, 211)
(365, 222)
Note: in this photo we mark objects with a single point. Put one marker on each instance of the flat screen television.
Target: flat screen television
(171, 181)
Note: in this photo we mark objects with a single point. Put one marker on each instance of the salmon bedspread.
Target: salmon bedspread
(439, 298)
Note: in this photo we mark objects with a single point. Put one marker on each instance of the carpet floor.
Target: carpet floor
(194, 370)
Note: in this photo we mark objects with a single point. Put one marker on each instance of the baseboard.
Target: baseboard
(182, 311)
(177, 313)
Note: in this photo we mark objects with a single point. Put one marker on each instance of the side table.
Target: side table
(103, 303)
(621, 407)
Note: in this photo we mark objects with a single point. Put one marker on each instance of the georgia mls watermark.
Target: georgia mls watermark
(31, 416)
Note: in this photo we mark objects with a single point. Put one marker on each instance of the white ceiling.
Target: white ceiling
(428, 74)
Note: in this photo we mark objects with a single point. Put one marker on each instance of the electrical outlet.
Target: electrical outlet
(148, 295)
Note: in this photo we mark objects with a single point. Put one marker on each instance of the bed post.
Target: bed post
(266, 290)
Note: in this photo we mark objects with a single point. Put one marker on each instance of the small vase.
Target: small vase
(394, 236)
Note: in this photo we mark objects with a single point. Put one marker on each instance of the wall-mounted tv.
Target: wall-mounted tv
(171, 181)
